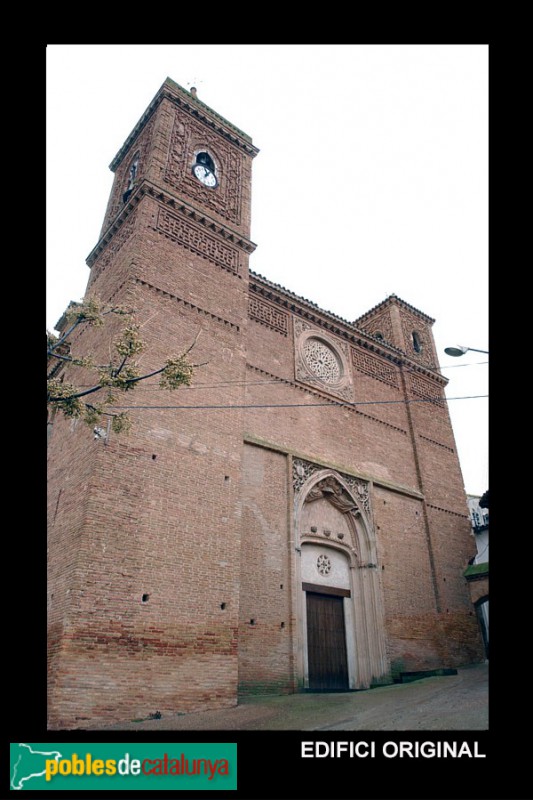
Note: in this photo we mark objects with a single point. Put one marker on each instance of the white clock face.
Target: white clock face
(204, 175)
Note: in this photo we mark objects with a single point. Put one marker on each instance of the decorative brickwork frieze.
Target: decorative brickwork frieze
(381, 324)
(448, 511)
(198, 240)
(368, 364)
(381, 422)
(188, 136)
(420, 387)
(267, 314)
(439, 444)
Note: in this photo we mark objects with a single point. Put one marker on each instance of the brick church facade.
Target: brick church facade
(299, 521)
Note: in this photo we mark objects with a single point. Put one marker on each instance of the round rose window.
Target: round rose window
(322, 361)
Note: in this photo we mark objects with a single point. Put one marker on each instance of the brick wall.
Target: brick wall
(265, 619)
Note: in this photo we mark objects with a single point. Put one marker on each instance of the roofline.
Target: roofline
(384, 349)
(391, 300)
(190, 103)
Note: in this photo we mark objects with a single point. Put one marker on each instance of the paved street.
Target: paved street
(453, 702)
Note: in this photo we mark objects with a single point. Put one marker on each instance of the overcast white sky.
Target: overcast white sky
(372, 179)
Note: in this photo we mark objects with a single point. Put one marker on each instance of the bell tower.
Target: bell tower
(145, 529)
(193, 170)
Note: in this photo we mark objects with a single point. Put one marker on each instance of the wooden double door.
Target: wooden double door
(326, 642)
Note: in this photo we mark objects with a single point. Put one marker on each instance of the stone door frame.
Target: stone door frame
(363, 609)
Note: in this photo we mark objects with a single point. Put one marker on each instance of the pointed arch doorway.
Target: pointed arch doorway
(341, 631)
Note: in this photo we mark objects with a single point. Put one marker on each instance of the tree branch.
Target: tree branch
(192, 345)
(75, 396)
(99, 411)
(62, 358)
(118, 370)
(148, 375)
(65, 335)
(100, 386)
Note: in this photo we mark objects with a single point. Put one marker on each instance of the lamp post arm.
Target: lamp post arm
(460, 350)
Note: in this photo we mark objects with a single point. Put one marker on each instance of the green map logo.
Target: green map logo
(73, 766)
(29, 764)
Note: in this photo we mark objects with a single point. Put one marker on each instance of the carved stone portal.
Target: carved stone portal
(338, 555)
(331, 490)
(303, 470)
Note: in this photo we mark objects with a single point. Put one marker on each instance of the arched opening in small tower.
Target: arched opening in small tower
(417, 342)
(132, 174)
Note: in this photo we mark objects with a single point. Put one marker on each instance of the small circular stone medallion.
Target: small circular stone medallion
(323, 565)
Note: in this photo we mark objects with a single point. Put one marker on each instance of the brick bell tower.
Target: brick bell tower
(145, 529)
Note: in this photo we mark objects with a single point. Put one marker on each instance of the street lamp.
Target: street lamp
(460, 350)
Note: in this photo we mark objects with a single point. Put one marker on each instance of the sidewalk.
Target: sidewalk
(453, 702)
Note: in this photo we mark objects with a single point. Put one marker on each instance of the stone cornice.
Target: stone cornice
(337, 325)
(191, 105)
(146, 188)
(382, 483)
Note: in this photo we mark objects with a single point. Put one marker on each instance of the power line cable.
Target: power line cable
(153, 385)
(342, 404)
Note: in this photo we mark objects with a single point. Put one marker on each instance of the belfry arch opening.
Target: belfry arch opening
(341, 630)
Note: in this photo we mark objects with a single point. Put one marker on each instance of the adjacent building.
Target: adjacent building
(477, 572)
